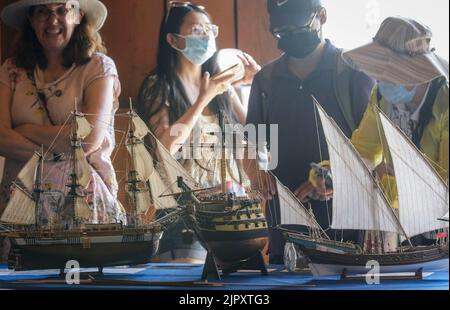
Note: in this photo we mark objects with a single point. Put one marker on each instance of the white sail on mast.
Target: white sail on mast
(84, 169)
(358, 201)
(140, 129)
(422, 194)
(141, 200)
(143, 161)
(292, 210)
(28, 174)
(158, 188)
(20, 209)
(83, 126)
(82, 210)
(173, 169)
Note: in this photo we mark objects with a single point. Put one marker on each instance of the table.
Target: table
(187, 277)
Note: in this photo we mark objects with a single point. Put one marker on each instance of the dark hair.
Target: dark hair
(85, 42)
(168, 86)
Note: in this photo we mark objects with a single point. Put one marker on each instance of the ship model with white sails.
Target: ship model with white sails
(232, 228)
(36, 246)
(360, 204)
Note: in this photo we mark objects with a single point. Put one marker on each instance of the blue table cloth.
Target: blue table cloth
(188, 277)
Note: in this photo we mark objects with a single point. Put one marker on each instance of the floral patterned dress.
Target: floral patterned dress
(40, 103)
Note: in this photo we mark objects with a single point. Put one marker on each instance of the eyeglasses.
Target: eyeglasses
(282, 31)
(205, 29)
(43, 13)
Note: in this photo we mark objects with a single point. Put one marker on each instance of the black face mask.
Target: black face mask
(299, 45)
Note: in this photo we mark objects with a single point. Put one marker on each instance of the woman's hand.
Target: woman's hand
(251, 69)
(210, 88)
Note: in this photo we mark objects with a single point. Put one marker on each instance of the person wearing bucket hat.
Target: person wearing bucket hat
(59, 60)
(412, 91)
(281, 94)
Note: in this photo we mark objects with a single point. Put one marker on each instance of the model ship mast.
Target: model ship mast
(418, 210)
(81, 173)
(223, 163)
(142, 166)
(38, 187)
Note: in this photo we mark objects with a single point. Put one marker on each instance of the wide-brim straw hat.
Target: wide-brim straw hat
(399, 54)
(15, 14)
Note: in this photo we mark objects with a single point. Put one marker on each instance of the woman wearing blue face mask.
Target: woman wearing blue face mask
(179, 97)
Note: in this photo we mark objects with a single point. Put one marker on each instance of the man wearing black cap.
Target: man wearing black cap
(282, 94)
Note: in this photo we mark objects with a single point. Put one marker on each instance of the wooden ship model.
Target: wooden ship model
(36, 246)
(232, 229)
(359, 204)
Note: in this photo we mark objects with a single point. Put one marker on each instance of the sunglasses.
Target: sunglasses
(282, 31)
(181, 4)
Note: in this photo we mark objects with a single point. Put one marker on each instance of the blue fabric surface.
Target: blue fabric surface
(277, 279)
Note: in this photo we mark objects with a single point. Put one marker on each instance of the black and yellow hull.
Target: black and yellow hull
(99, 250)
(232, 230)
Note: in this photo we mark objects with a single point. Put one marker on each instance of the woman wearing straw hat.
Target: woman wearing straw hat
(59, 59)
(412, 91)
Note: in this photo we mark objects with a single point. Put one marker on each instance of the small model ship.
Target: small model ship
(35, 246)
(232, 229)
(359, 204)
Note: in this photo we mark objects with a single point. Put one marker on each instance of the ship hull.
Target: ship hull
(232, 232)
(232, 247)
(322, 270)
(330, 258)
(326, 261)
(94, 251)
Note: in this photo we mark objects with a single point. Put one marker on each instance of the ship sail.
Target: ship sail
(84, 169)
(358, 201)
(82, 210)
(140, 129)
(158, 188)
(173, 168)
(422, 194)
(292, 210)
(141, 200)
(143, 161)
(28, 174)
(83, 127)
(20, 209)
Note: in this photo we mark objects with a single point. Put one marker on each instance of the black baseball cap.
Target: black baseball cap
(297, 13)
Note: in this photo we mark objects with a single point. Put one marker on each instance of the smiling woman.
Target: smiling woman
(59, 60)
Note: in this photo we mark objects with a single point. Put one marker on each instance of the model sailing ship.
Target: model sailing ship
(37, 246)
(359, 204)
(232, 229)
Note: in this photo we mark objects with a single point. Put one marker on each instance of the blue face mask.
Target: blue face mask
(198, 48)
(396, 94)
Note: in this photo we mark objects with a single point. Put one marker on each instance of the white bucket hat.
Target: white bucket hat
(15, 14)
(399, 54)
